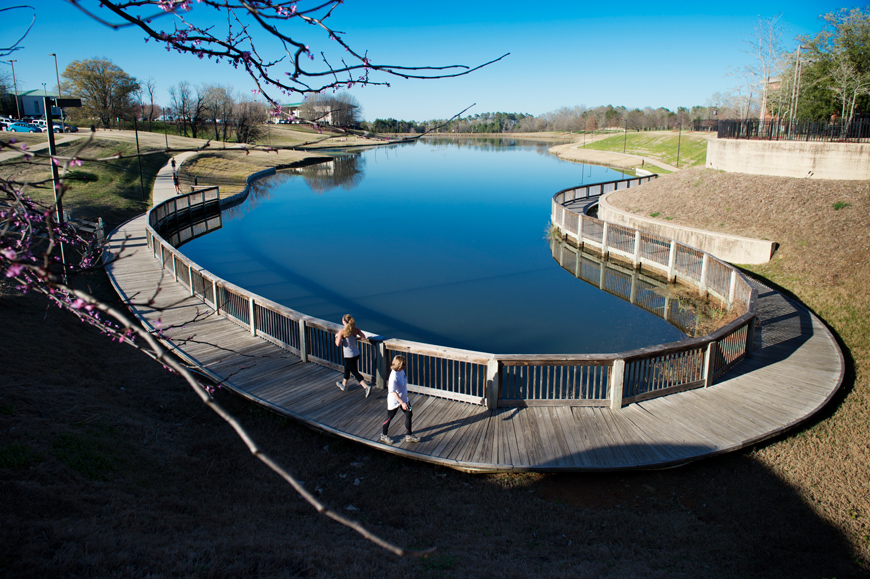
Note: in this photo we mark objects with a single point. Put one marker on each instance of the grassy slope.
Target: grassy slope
(109, 189)
(658, 144)
(823, 228)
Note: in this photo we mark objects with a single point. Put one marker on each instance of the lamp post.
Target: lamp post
(625, 133)
(57, 74)
(45, 112)
(679, 138)
(17, 108)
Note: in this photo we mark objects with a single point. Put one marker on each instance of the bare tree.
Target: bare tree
(249, 116)
(765, 45)
(150, 87)
(219, 104)
(179, 99)
(848, 84)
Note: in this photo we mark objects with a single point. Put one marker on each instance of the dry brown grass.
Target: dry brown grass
(110, 467)
(823, 228)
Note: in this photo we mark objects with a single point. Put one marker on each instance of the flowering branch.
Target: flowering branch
(287, 73)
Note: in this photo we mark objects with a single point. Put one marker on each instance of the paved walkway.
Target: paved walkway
(796, 368)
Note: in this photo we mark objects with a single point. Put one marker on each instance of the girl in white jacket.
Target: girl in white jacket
(397, 397)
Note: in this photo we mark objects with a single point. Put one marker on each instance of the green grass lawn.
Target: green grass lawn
(108, 189)
(658, 144)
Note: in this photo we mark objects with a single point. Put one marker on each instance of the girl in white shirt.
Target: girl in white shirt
(397, 397)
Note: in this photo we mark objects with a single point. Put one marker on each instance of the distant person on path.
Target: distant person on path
(175, 182)
(347, 339)
(173, 165)
(397, 397)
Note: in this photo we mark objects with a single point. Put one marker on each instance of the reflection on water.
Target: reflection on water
(626, 283)
(345, 171)
(493, 143)
(437, 242)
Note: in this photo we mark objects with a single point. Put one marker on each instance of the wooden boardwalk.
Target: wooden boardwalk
(795, 369)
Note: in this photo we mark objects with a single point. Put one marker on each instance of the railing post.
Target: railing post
(702, 283)
(493, 383)
(303, 341)
(381, 366)
(604, 251)
(617, 377)
(580, 217)
(732, 287)
(251, 318)
(214, 297)
(672, 262)
(708, 364)
(174, 267)
(190, 280)
(750, 336)
(636, 262)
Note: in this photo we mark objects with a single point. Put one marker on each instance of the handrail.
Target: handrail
(492, 380)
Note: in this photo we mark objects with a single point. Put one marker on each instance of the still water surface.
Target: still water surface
(439, 241)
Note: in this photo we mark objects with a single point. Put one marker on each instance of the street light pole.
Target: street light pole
(57, 74)
(679, 138)
(625, 133)
(17, 109)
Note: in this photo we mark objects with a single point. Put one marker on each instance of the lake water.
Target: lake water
(440, 242)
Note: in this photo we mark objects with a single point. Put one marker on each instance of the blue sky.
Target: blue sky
(563, 53)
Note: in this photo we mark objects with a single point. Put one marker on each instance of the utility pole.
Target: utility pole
(15, 83)
(625, 133)
(55, 178)
(679, 138)
(57, 74)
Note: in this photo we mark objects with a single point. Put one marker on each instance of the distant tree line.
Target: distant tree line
(566, 119)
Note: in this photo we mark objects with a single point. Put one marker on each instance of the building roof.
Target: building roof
(34, 92)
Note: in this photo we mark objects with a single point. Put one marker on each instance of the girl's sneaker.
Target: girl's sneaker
(341, 386)
(411, 438)
(386, 439)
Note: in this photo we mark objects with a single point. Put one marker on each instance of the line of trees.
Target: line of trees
(210, 110)
(565, 119)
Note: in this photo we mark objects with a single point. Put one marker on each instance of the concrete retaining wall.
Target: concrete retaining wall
(730, 248)
(845, 161)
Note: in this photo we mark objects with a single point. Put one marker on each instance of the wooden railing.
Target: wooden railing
(490, 380)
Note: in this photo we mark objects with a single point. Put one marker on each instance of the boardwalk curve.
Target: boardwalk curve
(796, 367)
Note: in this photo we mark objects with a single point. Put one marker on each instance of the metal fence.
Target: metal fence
(855, 131)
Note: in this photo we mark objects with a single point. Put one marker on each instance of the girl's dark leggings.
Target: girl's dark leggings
(350, 367)
(391, 413)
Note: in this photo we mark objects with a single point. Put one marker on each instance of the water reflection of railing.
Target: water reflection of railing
(188, 216)
(490, 379)
(629, 284)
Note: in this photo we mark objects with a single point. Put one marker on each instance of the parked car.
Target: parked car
(67, 128)
(24, 128)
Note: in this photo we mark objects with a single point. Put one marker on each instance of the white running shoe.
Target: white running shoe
(386, 439)
(341, 386)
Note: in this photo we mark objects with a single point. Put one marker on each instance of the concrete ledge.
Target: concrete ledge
(730, 248)
(845, 161)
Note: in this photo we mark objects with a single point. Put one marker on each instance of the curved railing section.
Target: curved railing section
(490, 380)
